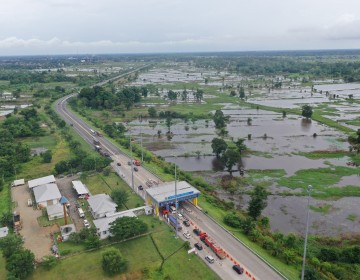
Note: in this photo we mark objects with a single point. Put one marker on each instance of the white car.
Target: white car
(180, 216)
(187, 235)
(86, 223)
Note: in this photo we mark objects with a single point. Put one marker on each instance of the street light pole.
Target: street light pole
(309, 189)
(176, 204)
(142, 151)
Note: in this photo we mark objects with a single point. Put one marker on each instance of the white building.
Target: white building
(46, 195)
(80, 188)
(101, 205)
(103, 225)
(55, 211)
(19, 182)
(41, 181)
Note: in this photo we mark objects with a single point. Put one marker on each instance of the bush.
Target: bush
(112, 262)
(49, 262)
(233, 220)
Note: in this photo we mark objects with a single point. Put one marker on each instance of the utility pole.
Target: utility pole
(141, 143)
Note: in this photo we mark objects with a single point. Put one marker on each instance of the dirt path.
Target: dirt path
(37, 239)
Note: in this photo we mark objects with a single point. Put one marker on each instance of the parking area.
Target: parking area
(66, 189)
(36, 238)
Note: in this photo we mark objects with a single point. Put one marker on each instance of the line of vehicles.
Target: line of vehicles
(203, 236)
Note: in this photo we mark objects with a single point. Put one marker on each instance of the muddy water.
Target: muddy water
(288, 214)
(290, 164)
(353, 180)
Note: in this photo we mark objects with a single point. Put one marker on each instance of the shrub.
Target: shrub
(113, 262)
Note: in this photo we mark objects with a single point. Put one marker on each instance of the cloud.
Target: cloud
(346, 27)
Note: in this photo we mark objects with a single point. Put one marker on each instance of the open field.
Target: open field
(142, 256)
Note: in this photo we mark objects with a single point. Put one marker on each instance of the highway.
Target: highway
(236, 251)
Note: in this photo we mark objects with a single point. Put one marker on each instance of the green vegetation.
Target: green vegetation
(323, 209)
(322, 179)
(143, 258)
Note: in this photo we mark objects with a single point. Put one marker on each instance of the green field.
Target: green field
(143, 259)
(99, 183)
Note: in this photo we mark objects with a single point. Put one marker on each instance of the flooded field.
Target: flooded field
(275, 142)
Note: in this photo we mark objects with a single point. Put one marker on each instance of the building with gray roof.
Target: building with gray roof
(41, 181)
(47, 194)
(101, 205)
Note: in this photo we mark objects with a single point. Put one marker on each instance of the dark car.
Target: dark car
(136, 169)
(118, 164)
(238, 269)
(77, 205)
(140, 187)
(196, 231)
(198, 246)
(186, 223)
(129, 162)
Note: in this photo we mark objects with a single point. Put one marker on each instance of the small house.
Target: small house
(19, 182)
(46, 195)
(55, 211)
(101, 205)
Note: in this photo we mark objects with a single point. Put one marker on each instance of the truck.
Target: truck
(172, 221)
(137, 162)
(213, 246)
(96, 141)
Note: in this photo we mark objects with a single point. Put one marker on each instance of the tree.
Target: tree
(184, 95)
(10, 244)
(172, 95)
(257, 202)
(307, 111)
(46, 156)
(127, 227)
(152, 112)
(240, 145)
(120, 197)
(219, 119)
(218, 146)
(6, 217)
(199, 94)
(242, 93)
(231, 157)
(113, 262)
(21, 263)
(232, 93)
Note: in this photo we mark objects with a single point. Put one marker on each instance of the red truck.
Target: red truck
(137, 162)
(211, 243)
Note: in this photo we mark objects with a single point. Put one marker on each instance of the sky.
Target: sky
(46, 27)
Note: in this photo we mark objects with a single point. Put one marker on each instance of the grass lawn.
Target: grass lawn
(291, 272)
(48, 141)
(5, 199)
(3, 271)
(143, 259)
(105, 184)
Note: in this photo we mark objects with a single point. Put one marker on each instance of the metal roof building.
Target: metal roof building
(47, 194)
(41, 181)
(80, 188)
(164, 194)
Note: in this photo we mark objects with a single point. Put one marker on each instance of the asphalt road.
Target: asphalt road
(237, 252)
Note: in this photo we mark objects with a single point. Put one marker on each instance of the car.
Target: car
(30, 202)
(196, 231)
(186, 223)
(77, 205)
(118, 164)
(140, 187)
(210, 259)
(198, 246)
(180, 216)
(136, 169)
(238, 269)
(86, 223)
(187, 235)
(106, 155)
(129, 162)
